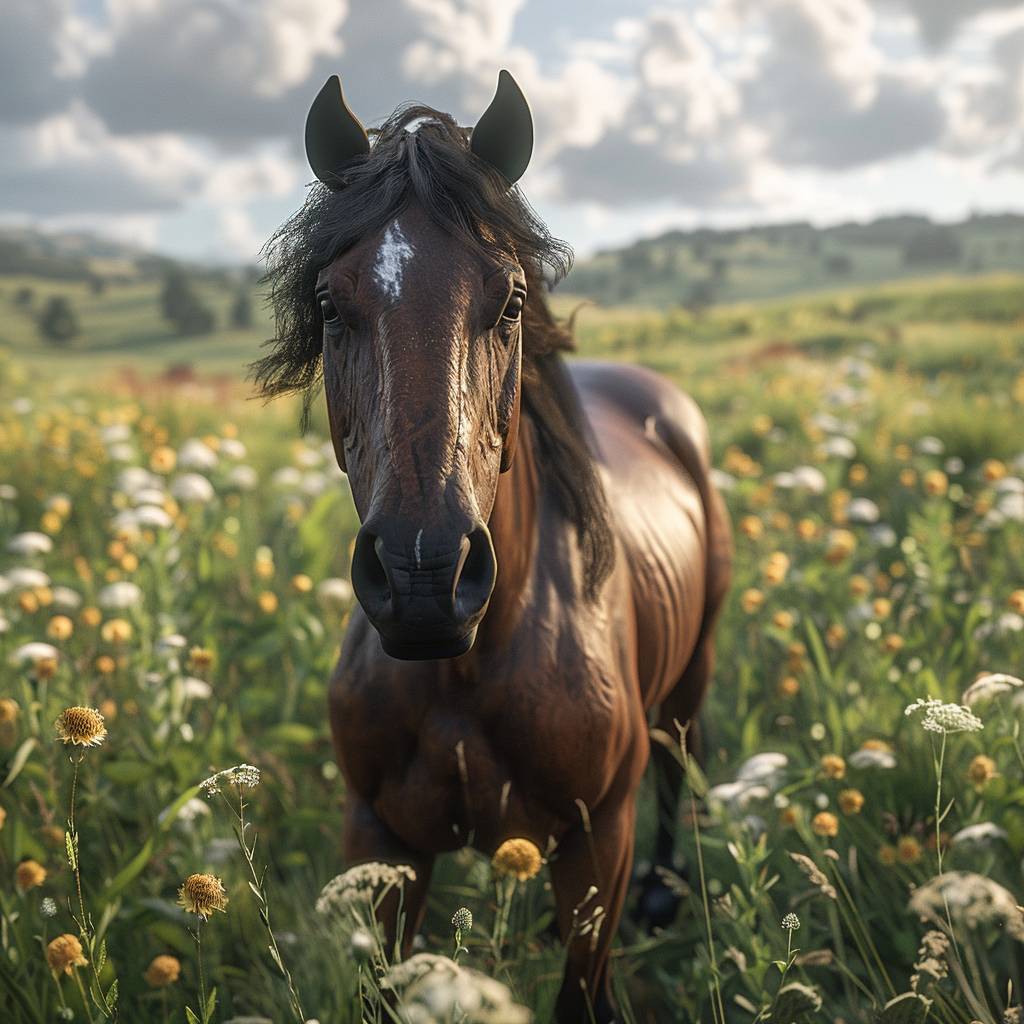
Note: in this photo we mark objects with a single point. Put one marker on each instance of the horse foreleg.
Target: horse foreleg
(366, 839)
(601, 858)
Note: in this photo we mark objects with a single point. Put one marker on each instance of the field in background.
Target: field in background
(870, 446)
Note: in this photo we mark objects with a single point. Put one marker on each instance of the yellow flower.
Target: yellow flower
(851, 801)
(81, 727)
(859, 585)
(887, 855)
(825, 824)
(893, 643)
(935, 482)
(858, 473)
(91, 616)
(105, 665)
(60, 627)
(835, 635)
(51, 522)
(200, 658)
(881, 607)
(163, 970)
(1016, 601)
(908, 477)
(840, 546)
(202, 895)
(45, 668)
(8, 711)
(908, 850)
(130, 562)
(807, 529)
(751, 600)
(992, 470)
(64, 953)
(163, 460)
(267, 602)
(789, 816)
(301, 583)
(789, 687)
(264, 567)
(29, 874)
(3, 816)
(776, 567)
(517, 857)
(28, 602)
(752, 527)
(116, 631)
(783, 619)
(833, 766)
(981, 771)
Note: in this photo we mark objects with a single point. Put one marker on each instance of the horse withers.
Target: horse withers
(542, 554)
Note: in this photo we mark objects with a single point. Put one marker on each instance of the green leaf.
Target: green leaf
(71, 845)
(211, 1005)
(128, 773)
(112, 995)
(191, 1017)
(131, 870)
(19, 759)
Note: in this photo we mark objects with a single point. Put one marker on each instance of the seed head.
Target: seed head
(791, 922)
(517, 857)
(48, 908)
(945, 718)
(203, 894)
(64, 954)
(462, 920)
(163, 970)
(81, 727)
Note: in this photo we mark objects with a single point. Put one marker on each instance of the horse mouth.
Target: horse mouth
(434, 649)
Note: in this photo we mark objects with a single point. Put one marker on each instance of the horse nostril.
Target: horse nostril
(369, 578)
(474, 583)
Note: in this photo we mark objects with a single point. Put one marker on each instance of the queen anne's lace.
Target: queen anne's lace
(945, 718)
(244, 775)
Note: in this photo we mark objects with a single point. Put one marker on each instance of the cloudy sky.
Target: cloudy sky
(177, 124)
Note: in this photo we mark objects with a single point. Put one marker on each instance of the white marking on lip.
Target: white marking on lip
(392, 256)
(417, 548)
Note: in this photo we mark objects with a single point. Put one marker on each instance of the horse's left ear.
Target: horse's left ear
(334, 135)
(504, 134)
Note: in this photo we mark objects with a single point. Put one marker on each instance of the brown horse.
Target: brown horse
(542, 555)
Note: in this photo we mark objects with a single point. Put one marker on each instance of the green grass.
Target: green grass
(821, 660)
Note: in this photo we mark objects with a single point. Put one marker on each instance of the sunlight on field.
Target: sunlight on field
(176, 556)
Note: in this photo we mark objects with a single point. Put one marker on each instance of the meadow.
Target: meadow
(175, 557)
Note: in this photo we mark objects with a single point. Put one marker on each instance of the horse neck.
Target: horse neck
(513, 526)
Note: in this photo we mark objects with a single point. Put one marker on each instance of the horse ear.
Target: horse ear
(504, 134)
(334, 135)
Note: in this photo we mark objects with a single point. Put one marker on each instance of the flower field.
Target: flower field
(173, 590)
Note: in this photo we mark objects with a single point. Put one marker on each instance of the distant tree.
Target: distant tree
(932, 245)
(701, 294)
(58, 323)
(838, 263)
(24, 296)
(719, 268)
(97, 284)
(181, 305)
(241, 310)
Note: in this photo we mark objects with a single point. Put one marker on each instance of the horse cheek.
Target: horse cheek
(509, 406)
(338, 424)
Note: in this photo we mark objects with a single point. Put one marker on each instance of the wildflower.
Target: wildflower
(200, 658)
(825, 824)
(31, 543)
(990, 685)
(835, 635)
(162, 971)
(908, 850)
(841, 544)
(60, 627)
(851, 801)
(751, 600)
(360, 882)
(91, 616)
(973, 900)
(8, 711)
(833, 766)
(791, 922)
(64, 954)
(3, 816)
(789, 686)
(982, 833)
(116, 631)
(105, 665)
(789, 816)
(120, 596)
(887, 855)
(301, 583)
(893, 643)
(945, 718)
(334, 592)
(752, 527)
(1016, 601)
(993, 469)
(29, 874)
(517, 857)
(462, 920)
(860, 586)
(48, 907)
(935, 482)
(203, 894)
(783, 620)
(361, 945)
(243, 775)
(163, 460)
(776, 568)
(981, 771)
(81, 727)
(192, 488)
(931, 962)
(267, 602)
(34, 654)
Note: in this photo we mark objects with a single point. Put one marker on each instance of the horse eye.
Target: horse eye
(514, 307)
(327, 310)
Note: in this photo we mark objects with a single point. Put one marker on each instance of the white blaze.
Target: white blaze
(392, 256)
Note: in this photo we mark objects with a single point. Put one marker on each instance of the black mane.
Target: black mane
(434, 166)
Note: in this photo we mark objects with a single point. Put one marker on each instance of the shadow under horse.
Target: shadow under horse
(542, 554)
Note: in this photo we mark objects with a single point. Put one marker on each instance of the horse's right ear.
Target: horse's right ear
(334, 135)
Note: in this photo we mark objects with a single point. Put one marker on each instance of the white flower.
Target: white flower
(121, 595)
(929, 445)
(5, 626)
(154, 516)
(810, 478)
(121, 452)
(67, 599)
(193, 809)
(191, 487)
(32, 652)
(314, 483)
(945, 718)
(360, 882)
(972, 900)
(8, 492)
(243, 478)
(173, 642)
(722, 481)
(196, 689)
(30, 543)
(149, 496)
(196, 454)
(871, 758)
(983, 832)
(134, 479)
(862, 510)
(115, 433)
(791, 922)
(287, 478)
(24, 578)
(768, 768)
(988, 686)
(242, 775)
(232, 448)
(840, 448)
(307, 458)
(883, 535)
(335, 592)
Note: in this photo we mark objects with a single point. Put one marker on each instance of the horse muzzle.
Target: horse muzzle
(425, 599)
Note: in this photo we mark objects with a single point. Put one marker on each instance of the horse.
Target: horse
(542, 553)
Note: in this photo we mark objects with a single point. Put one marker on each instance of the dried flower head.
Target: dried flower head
(64, 954)
(81, 727)
(945, 718)
(162, 971)
(973, 901)
(791, 923)
(29, 874)
(519, 858)
(48, 907)
(462, 920)
(242, 775)
(203, 894)
(814, 875)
